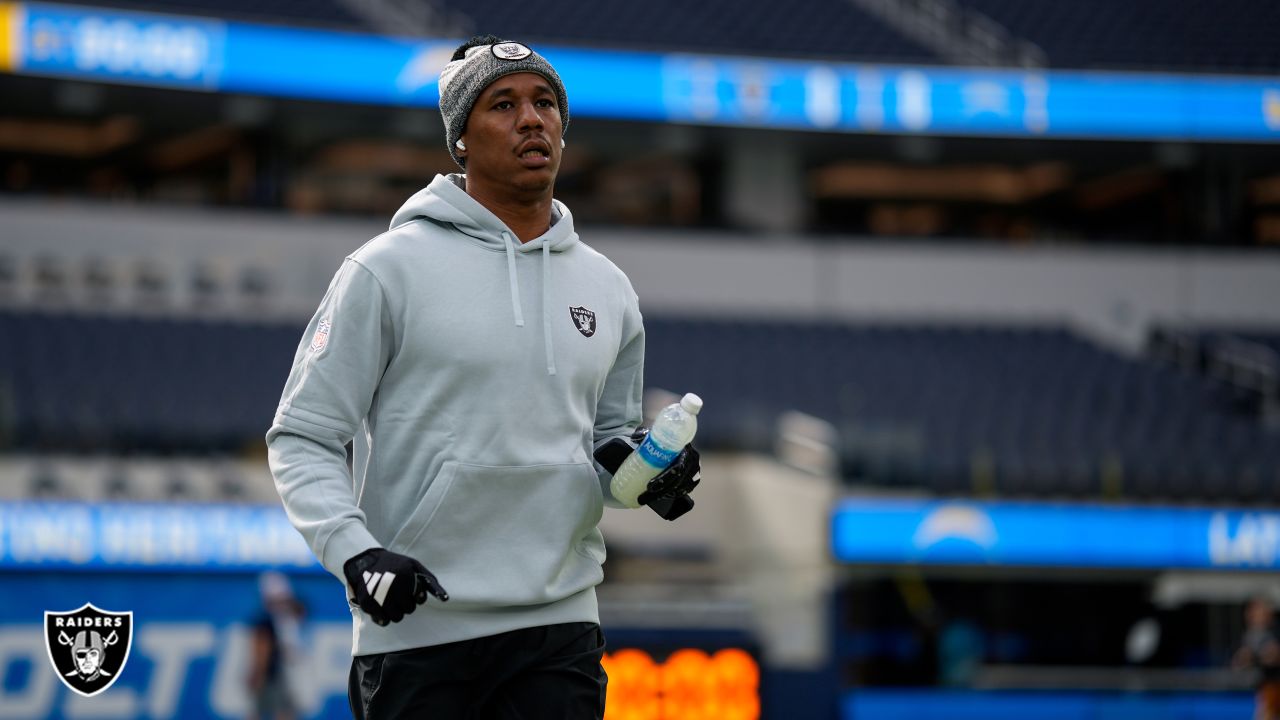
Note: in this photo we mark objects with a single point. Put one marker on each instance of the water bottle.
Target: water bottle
(672, 430)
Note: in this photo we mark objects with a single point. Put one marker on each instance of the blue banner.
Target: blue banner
(150, 536)
(191, 651)
(190, 576)
(132, 48)
(199, 54)
(880, 704)
(878, 531)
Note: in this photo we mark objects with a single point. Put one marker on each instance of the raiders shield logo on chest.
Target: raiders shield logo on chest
(584, 320)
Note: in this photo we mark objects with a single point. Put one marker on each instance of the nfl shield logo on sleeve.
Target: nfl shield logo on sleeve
(321, 338)
(88, 647)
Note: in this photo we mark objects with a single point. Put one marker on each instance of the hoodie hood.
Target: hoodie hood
(445, 200)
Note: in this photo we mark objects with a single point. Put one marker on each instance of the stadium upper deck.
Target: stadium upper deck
(1180, 35)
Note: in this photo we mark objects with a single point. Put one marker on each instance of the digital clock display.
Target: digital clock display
(688, 684)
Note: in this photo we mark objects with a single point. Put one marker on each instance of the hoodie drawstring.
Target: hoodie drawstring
(513, 280)
(547, 342)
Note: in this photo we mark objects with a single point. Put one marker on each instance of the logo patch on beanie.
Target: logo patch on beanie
(511, 51)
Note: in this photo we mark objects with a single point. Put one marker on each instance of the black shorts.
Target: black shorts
(550, 672)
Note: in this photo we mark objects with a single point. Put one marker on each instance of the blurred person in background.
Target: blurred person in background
(479, 356)
(1260, 651)
(960, 652)
(277, 642)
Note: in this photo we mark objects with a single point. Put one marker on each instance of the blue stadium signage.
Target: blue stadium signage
(193, 650)
(895, 704)
(203, 54)
(158, 536)
(149, 536)
(133, 48)
(878, 531)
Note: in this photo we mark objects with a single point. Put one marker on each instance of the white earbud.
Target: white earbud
(561, 143)
(463, 146)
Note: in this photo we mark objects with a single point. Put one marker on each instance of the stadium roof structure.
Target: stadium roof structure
(1162, 35)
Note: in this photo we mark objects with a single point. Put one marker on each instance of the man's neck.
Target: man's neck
(528, 218)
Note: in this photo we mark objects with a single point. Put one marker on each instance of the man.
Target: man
(1260, 651)
(276, 646)
(479, 355)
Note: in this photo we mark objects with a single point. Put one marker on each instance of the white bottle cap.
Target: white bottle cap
(691, 403)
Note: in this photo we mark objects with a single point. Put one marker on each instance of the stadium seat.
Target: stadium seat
(302, 12)
(813, 28)
(1226, 36)
(1015, 411)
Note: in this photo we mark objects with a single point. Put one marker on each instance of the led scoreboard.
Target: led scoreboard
(686, 684)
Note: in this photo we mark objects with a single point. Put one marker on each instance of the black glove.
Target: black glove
(668, 493)
(388, 586)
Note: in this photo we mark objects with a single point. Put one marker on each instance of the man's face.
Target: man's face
(513, 135)
(1258, 613)
(87, 661)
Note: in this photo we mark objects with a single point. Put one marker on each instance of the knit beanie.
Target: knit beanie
(475, 65)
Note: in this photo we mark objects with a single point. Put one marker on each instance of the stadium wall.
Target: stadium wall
(1115, 294)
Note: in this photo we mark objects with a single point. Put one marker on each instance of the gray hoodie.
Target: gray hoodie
(475, 375)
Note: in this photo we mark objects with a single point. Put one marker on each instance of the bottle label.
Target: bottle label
(656, 455)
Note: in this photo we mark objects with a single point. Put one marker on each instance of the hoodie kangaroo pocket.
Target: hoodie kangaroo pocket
(498, 536)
